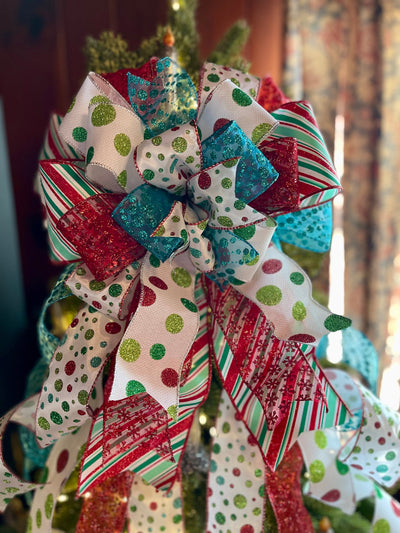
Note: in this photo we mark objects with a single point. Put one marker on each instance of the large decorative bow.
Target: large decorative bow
(174, 203)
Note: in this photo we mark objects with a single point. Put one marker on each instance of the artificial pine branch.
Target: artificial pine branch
(231, 45)
(183, 25)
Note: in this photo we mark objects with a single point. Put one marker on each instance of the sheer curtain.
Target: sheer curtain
(344, 57)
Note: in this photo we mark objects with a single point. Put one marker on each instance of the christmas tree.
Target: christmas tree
(187, 376)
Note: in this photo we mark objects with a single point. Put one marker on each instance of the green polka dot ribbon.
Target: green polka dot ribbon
(98, 462)
(162, 512)
(236, 478)
(343, 465)
(60, 465)
(282, 291)
(153, 364)
(10, 483)
(69, 390)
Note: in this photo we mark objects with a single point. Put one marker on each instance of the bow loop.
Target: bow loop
(169, 99)
(166, 160)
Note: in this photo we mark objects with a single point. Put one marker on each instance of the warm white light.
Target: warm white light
(87, 495)
(62, 498)
(175, 5)
(213, 432)
(202, 419)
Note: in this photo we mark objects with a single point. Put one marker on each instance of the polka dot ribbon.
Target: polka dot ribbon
(350, 462)
(167, 305)
(236, 479)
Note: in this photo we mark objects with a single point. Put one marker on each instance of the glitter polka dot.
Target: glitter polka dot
(269, 295)
(129, 350)
(302, 337)
(297, 278)
(245, 233)
(317, 471)
(181, 277)
(149, 296)
(381, 526)
(148, 174)
(43, 423)
(299, 311)
(259, 132)
(225, 221)
(204, 180)
(240, 501)
(169, 377)
(122, 144)
(157, 351)
(271, 266)
(79, 134)
(112, 328)
(179, 144)
(174, 323)
(241, 98)
(89, 155)
(331, 496)
(62, 460)
(336, 322)
(320, 439)
(134, 387)
(190, 306)
(158, 282)
(95, 285)
(103, 114)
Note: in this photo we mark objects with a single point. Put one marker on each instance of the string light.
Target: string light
(62, 498)
(202, 419)
(175, 5)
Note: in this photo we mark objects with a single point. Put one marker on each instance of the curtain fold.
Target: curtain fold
(344, 57)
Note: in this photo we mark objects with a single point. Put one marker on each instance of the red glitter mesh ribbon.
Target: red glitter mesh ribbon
(104, 246)
(119, 79)
(283, 195)
(270, 97)
(104, 508)
(277, 372)
(284, 492)
(135, 423)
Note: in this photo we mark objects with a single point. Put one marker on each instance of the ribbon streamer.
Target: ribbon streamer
(236, 476)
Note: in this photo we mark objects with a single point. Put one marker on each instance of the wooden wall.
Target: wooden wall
(42, 66)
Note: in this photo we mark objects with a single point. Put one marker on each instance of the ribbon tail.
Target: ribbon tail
(282, 291)
(10, 483)
(147, 505)
(105, 508)
(145, 460)
(73, 371)
(387, 512)
(284, 492)
(61, 463)
(236, 476)
(167, 306)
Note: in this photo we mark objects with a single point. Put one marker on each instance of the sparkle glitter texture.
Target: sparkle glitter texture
(168, 100)
(102, 244)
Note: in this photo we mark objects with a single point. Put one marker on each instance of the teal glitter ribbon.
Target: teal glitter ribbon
(145, 208)
(167, 100)
(309, 228)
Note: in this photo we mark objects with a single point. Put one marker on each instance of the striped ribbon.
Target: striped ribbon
(150, 465)
(317, 176)
(301, 415)
(63, 184)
